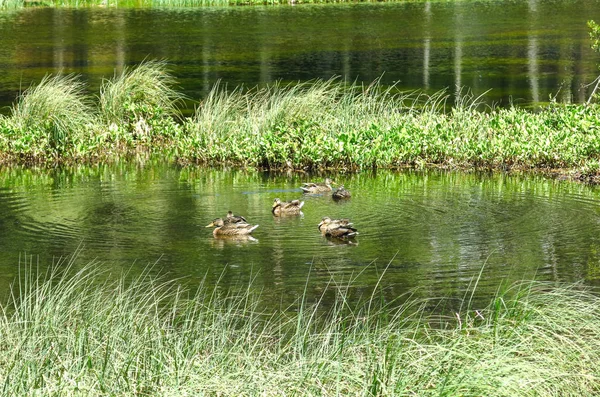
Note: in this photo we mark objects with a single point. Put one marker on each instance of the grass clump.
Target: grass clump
(5, 4)
(139, 100)
(52, 117)
(69, 333)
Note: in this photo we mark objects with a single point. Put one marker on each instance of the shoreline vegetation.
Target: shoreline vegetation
(307, 126)
(18, 4)
(76, 330)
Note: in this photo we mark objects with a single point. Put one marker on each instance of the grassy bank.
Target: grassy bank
(78, 335)
(16, 4)
(321, 124)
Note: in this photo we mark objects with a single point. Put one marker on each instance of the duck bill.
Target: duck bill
(212, 224)
(320, 224)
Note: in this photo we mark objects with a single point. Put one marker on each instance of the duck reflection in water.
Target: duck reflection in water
(221, 241)
(340, 241)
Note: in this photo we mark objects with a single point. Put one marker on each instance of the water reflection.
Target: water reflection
(221, 242)
(513, 48)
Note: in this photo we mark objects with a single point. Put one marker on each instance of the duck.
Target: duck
(317, 187)
(287, 207)
(338, 228)
(223, 228)
(234, 218)
(341, 193)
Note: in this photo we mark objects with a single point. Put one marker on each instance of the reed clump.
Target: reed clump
(72, 332)
(49, 118)
(15, 4)
(139, 101)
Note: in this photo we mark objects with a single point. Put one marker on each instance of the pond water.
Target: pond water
(524, 51)
(434, 231)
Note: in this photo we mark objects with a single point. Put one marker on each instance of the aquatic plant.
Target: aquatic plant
(154, 3)
(11, 4)
(312, 125)
(329, 124)
(50, 118)
(140, 99)
(73, 331)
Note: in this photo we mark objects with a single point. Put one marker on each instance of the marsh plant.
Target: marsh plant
(81, 331)
(13, 4)
(331, 124)
(52, 117)
(313, 125)
(140, 99)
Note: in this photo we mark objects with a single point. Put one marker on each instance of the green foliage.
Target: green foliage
(327, 124)
(4, 4)
(49, 118)
(319, 124)
(75, 332)
(139, 99)
(594, 34)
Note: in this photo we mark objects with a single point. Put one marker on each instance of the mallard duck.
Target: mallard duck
(338, 228)
(234, 218)
(223, 228)
(341, 193)
(317, 187)
(287, 207)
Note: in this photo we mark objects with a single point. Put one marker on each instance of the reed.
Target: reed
(11, 4)
(78, 331)
(329, 124)
(14, 4)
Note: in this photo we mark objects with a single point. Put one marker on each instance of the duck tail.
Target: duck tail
(252, 228)
(301, 204)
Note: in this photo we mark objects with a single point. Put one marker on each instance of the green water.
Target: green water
(433, 231)
(524, 51)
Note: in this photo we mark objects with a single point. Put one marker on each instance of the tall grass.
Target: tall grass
(11, 4)
(7, 4)
(51, 116)
(299, 125)
(71, 333)
(138, 98)
(312, 125)
(329, 124)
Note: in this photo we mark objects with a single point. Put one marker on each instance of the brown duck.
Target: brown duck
(341, 193)
(338, 228)
(223, 228)
(286, 207)
(234, 218)
(317, 187)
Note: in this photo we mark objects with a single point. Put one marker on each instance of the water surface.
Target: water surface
(524, 51)
(433, 231)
